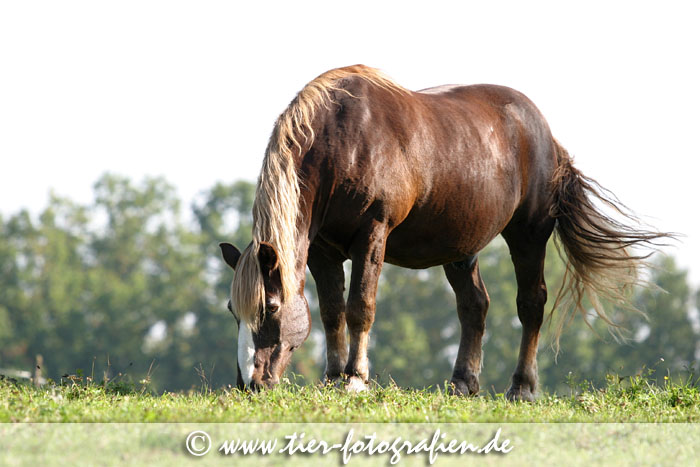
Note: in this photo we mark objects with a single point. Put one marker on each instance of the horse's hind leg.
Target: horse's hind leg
(528, 253)
(472, 305)
(327, 269)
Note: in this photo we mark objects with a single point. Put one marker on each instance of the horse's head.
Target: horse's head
(271, 330)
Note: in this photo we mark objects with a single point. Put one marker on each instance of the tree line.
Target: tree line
(131, 286)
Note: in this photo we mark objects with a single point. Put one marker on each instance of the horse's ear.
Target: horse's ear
(230, 254)
(267, 255)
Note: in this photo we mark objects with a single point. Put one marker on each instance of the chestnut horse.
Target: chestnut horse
(360, 168)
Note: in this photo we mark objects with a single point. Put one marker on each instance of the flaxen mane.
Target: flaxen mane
(276, 205)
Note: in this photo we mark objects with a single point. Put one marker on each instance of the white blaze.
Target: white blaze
(246, 352)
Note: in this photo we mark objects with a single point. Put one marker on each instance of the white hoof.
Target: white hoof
(355, 384)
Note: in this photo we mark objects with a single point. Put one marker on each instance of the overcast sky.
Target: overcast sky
(190, 90)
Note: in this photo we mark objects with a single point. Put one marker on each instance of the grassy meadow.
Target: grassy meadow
(634, 399)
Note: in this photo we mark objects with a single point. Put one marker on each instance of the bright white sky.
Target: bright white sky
(190, 90)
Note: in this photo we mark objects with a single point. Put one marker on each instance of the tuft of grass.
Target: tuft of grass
(78, 399)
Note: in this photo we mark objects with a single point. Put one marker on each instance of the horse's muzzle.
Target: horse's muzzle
(257, 386)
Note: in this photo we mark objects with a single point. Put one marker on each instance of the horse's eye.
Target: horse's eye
(272, 304)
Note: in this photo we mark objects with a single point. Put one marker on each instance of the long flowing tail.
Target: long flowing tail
(602, 261)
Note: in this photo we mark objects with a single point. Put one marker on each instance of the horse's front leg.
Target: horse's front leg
(367, 254)
(327, 268)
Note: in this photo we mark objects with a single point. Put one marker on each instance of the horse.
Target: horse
(359, 168)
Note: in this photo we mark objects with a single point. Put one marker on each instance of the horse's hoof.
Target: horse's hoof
(520, 393)
(459, 387)
(355, 385)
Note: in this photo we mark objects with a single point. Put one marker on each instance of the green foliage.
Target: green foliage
(121, 286)
(133, 285)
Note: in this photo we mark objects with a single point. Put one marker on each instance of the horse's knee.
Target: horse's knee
(359, 315)
(472, 312)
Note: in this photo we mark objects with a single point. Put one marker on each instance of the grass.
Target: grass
(635, 399)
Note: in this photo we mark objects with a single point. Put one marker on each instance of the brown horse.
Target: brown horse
(360, 168)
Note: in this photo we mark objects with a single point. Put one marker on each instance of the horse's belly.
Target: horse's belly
(440, 240)
(423, 255)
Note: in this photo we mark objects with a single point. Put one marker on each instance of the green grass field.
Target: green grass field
(634, 399)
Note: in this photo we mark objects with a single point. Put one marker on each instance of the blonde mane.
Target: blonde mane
(276, 205)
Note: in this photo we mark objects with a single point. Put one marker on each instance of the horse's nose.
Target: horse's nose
(264, 384)
(267, 383)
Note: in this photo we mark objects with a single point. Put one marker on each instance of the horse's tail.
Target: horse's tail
(601, 261)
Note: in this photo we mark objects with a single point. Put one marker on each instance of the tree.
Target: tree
(124, 283)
